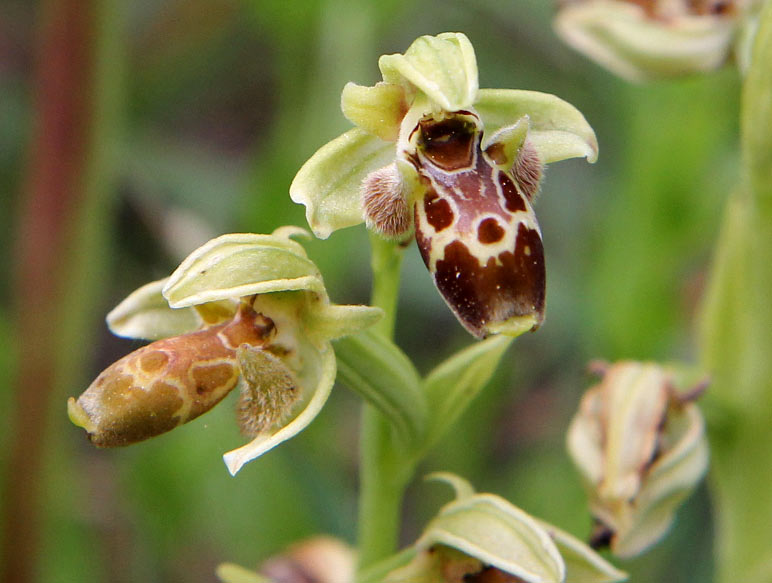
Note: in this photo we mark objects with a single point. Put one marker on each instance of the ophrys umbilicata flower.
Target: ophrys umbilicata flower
(457, 165)
(242, 310)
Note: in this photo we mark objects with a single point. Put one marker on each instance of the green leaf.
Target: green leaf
(454, 384)
(489, 528)
(379, 371)
(443, 67)
(146, 314)
(557, 129)
(238, 265)
(328, 184)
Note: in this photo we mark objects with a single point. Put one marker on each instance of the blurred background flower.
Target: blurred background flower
(130, 133)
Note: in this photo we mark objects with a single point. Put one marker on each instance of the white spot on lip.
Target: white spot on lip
(458, 274)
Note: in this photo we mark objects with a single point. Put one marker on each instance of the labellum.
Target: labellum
(474, 223)
(168, 382)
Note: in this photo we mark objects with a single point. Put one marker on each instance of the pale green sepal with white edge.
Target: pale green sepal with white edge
(378, 370)
(583, 565)
(557, 129)
(146, 314)
(238, 265)
(378, 109)
(489, 528)
(232, 573)
(443, 67)
(329, 183)
(330, 321)
(621, 37)
(454, 384)
(235, 459)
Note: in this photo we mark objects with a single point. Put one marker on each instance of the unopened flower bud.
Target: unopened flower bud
(641, 449)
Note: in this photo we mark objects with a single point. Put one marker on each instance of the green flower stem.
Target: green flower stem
(737, 341)
(384, 472)
(386, 262)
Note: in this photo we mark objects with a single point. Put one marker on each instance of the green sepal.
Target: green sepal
(557, 129)
(328, 184)
(443, 67)
(623, 38)
(375, 368)
(378, 110)
(489, 528)
(583, 565)
(146, 314)
(454, 384)
(238, 265)
(330, 321)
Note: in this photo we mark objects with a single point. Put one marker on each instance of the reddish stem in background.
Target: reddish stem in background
(52, 193)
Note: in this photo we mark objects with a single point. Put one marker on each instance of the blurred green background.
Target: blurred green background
(198, 115)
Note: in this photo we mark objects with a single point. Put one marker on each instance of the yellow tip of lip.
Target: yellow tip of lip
(79, 416)
(514, 326)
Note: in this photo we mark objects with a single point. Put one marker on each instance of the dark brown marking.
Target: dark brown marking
(512, 197)
(601, 536)
(497, 153)
(448, 143)
(438, 211)
(479, 294)
(490, 231)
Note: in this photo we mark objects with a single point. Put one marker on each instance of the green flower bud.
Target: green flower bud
(641, 448)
